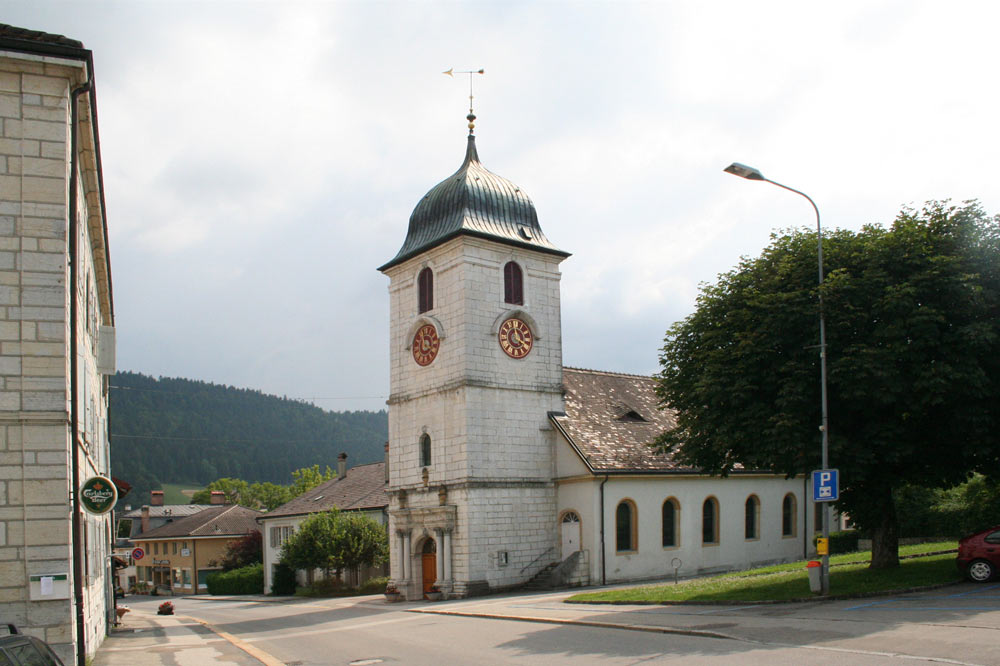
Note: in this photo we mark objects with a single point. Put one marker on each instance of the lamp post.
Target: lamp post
(750, 173)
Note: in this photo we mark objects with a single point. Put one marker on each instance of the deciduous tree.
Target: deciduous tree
(913, 352)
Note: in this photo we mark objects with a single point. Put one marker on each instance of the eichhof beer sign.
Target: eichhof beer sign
(98, 494)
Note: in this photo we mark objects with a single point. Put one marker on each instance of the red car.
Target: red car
(979, 554)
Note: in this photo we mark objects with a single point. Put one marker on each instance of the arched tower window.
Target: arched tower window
(710, 521)
(425, 450)
(751, 529)
(671, 509)
(788, 515)
(513, 284)
(625, 524)
(425, 290)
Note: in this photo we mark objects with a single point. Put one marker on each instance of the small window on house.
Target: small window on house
(425, 290)
(671, 511)
(425, 450)
(631, 416)
(788, 516)
(710, 521)
(174, 548)
(156, 548)
(751, 518)
(625, 525)
(513, 284)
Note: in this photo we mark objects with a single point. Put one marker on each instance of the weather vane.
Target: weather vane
(471, 117)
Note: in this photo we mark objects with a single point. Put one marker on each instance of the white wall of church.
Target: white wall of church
(650, 559)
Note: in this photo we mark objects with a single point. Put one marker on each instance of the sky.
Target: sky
(261, 159)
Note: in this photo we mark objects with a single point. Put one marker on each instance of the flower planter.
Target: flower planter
(393, 597)
(434, 596)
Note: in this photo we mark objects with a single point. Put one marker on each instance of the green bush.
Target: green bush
(248, 580)
(283, 582)
(374, 585)
(842, 542)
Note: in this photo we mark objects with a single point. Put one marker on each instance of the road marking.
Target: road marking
(256, 653)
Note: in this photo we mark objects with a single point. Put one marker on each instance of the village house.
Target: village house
(57, 347)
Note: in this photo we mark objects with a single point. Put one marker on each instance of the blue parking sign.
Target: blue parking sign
(826, 485)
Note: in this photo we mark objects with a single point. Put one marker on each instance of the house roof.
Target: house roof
(611, 418)
(168, 511)
(474, 202)
(23, 34)
(223, 520)
(361, 487)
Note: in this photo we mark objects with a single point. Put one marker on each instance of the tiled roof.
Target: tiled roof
(611, 418)
(11, 32)
(224, 520)
(168, 510)
(362, 487)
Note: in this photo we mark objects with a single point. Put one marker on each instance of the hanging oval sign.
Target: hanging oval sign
(98, 494)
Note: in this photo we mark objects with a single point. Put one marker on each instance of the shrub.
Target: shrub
(374, 585)
(283, 581)
(842, 542)
(248, 580)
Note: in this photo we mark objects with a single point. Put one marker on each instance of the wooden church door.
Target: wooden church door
(428, 564)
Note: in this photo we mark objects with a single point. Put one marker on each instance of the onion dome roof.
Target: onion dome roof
(474, 202)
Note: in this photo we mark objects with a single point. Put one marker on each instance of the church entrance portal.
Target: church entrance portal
(428, 565)
(570, 533)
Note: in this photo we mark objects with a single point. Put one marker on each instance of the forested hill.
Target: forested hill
(170, 430)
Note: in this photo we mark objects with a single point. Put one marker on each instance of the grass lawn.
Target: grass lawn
(790, 581)
(179, 493)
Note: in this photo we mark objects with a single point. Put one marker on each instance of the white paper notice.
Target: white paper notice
(46, 584)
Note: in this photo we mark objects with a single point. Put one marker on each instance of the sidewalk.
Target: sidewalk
(147, 639)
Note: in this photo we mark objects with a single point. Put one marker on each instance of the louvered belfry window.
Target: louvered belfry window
(425, 289)
(513, 284)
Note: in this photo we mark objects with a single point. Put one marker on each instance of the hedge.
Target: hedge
(248, 580)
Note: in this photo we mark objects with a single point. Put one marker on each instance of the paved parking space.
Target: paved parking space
(978, 598)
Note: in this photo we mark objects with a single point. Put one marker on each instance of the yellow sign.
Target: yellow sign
(822, 546)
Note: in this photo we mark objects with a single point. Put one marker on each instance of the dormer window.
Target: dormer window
(425, 290)
(513, 284)
(628, 414)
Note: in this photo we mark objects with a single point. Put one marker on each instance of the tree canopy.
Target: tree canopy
(334, 540)
(264, 496)
(913, 353)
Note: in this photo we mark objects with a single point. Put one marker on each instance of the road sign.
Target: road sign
(826, 485)
(138, 553)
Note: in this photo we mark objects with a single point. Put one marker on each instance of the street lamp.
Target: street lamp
(750, 173)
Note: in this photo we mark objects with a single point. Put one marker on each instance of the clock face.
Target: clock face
(425, 345)
(515, 338)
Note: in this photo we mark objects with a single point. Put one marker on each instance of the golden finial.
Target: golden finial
(472, 116)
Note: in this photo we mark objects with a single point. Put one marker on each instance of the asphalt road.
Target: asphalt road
(958, 624)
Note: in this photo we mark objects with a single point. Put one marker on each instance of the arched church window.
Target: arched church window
(710, 521)
(513, 284)
(788, 515)
(625, 524)
(425, 450)
(751, 518)
(671, 509)
(425, 290)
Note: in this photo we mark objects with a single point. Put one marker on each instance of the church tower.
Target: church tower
(476, 367)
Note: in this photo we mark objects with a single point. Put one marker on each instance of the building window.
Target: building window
(156, 548)
(625, 526)
(710, 521)
(425, 450)
(174, 549)
(513, 284)
(425, 290)
(788, 516)
(751, 519)
(671, 511)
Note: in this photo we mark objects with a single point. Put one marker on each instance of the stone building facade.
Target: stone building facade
(56, 344)
(505, 468)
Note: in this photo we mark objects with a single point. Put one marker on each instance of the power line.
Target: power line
(189, 393)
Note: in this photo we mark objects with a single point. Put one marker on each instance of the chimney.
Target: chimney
(218, 497)
(156, 497)
(145, 518)
(341, 465)
(387, 462)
